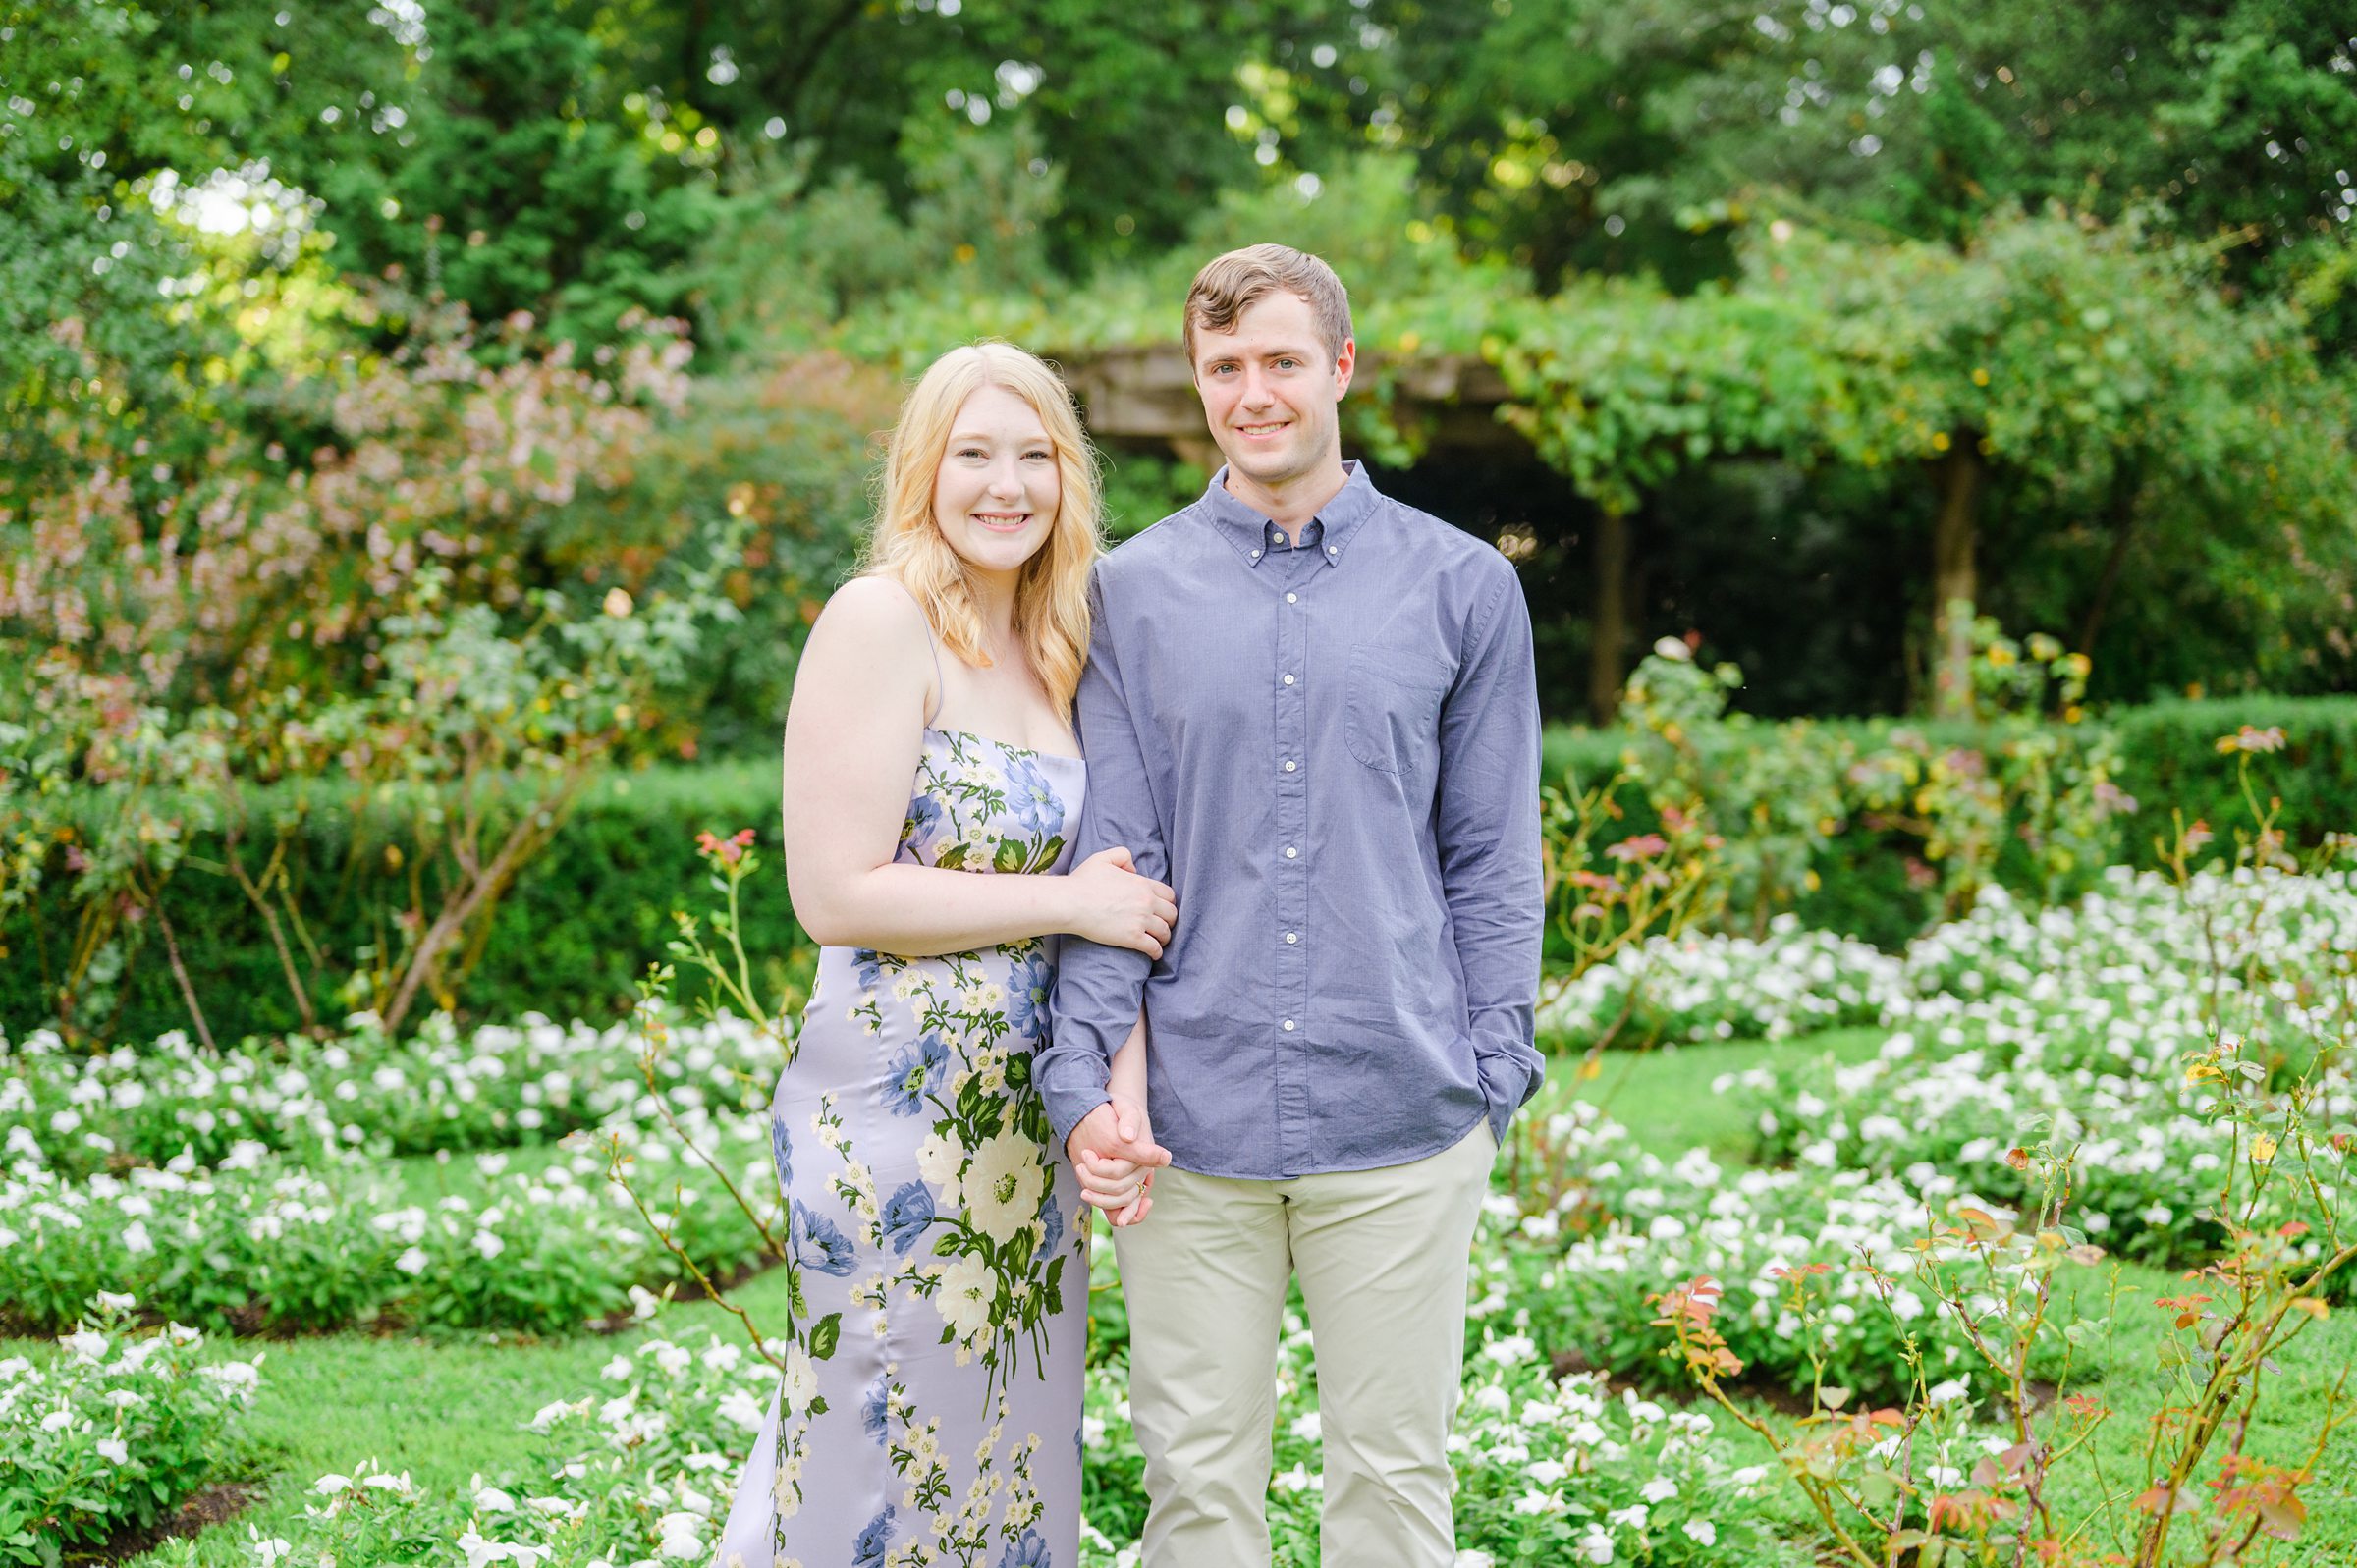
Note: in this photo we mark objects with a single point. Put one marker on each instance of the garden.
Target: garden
(1926, 443)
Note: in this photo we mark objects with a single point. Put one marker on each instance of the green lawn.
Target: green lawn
(448, 1407)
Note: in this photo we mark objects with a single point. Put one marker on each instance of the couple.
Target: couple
(1298, 944)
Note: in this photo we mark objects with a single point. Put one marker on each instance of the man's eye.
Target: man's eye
(1286, 364)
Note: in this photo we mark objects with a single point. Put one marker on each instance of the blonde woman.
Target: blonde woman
(930, 1409)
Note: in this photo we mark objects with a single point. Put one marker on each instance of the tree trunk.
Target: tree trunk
(1608, 641)
(1955, 576)
(2125, 491)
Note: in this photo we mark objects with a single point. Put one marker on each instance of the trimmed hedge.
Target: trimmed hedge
(579, 927)
(572, 937)
(2170, 761)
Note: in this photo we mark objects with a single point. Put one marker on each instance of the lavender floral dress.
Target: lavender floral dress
(930, 1410)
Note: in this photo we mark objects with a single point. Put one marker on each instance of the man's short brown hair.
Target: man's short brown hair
(1228, 284)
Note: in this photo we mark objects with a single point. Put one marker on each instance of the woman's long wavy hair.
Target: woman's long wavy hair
(1051, 595)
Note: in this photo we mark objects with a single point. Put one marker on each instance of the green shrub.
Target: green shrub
(110, 1433)
(1871, 883)
(576, 931)
(572, 937)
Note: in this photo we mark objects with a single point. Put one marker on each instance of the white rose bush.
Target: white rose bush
(110, 1431)
(1702, 986)
(132, 1172)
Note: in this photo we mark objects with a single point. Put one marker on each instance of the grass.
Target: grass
(444, 1406)
(448, 1407)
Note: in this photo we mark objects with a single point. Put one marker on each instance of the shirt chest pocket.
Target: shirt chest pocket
(1391, 715)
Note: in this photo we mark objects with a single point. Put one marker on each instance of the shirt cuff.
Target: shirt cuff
(1511, 1071)
(1067, 1107)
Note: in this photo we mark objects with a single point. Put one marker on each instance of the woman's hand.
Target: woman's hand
(1114, 1156)
(1114, 906)
(1136, 1126)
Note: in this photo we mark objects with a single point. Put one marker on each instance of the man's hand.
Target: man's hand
(1114, 1154)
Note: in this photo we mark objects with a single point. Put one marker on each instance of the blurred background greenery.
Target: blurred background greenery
(417, 422)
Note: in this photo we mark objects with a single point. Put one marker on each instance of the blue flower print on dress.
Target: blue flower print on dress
(875, 1410)
(914, 1071)
(817, 1244)
(781, 1150)
(867, 967)
(1028, 987)
(874, 1541)
(924, 816)
(1029, 1552)
(1030, 796)
(1051, 1236)
(906, 1213)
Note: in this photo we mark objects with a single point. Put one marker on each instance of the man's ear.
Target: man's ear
(1344, 364)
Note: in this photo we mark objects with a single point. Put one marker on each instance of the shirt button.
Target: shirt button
(1289, 680)
(1256, 555)
(1283, 543)
(1291, 766)
(1292, 937)
(1292, 598)
(1333, 550)
(1291, 853)
(1288, 1026)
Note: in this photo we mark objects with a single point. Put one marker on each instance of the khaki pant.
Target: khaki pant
(1382, 1256)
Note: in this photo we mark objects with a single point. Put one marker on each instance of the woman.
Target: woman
(930, 1409)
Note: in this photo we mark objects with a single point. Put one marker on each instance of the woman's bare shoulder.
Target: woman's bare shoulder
(871, 617)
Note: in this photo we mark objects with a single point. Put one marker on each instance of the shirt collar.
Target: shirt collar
(1336, 523)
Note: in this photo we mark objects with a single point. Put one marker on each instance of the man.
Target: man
(1313, 712)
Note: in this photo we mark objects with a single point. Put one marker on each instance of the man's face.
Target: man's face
(1270, 388)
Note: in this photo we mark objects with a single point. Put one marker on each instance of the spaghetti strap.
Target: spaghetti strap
(940, 689)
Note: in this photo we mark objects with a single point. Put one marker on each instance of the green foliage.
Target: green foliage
(109, 1432)
(1141, 489)
(794, 252)
(1863, 873)
(573, 934)
(2079, 367)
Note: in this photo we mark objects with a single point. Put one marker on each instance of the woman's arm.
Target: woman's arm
(853, 733)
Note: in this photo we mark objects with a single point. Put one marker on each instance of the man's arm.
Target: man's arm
(1099, 989)
(1488, 834)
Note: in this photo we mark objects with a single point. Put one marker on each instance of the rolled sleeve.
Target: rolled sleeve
(1099, 989)
(1487, 833)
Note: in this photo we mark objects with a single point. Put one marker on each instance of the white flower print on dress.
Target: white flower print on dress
(1004, 1186)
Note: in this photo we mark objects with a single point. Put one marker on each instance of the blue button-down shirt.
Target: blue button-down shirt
(1328, 745)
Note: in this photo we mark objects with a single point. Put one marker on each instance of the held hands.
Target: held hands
(1117, 906)
(1114, 1154)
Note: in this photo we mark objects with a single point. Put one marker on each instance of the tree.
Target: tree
(2065, 361)
(1545, 120)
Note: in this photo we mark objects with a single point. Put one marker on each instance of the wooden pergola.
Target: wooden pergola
(1144, 396)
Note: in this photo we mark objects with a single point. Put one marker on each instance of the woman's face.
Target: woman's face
(996, 491)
